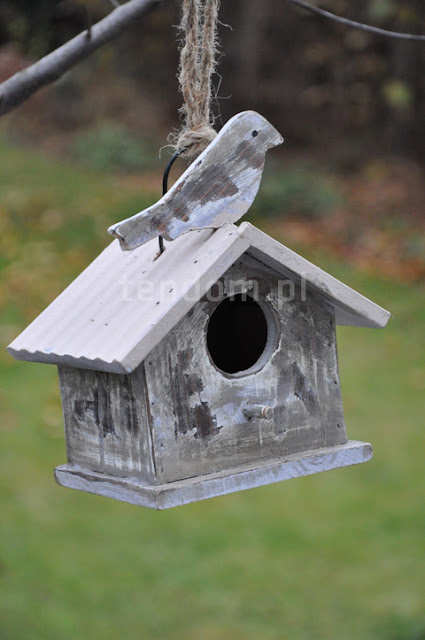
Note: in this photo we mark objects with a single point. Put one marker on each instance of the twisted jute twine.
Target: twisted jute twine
(197, 65)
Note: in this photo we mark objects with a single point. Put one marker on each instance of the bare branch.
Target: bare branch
(357, 25)
(89, 23)
(23, 84)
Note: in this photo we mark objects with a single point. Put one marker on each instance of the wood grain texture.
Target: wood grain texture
(351, 307)
(107, 422)
(182, 492)
(178, 416)
(218, 187)
(199, 423)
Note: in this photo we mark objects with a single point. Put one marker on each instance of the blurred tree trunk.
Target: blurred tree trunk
(249, 43)
(405, 59)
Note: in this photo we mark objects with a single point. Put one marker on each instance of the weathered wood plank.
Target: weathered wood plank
(107, 422)
(198, 419)
(181, 492)
(218, 187)
(351, 307)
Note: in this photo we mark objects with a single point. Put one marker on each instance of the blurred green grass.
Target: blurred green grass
(301, 190)
(337, 555)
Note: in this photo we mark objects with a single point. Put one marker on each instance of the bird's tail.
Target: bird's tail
(134, 231)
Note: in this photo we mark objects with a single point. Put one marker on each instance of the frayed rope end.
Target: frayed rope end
(193, 141)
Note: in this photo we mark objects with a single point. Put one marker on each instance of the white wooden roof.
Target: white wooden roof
(125, 303)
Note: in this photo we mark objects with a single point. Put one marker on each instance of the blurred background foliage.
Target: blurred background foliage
(338, 555)
(350, 105)
(308, 75)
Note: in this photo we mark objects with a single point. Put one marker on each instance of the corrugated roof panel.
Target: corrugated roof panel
(125, 303)
(351, 307)
(119, 308)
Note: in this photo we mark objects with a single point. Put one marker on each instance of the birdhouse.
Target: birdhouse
(209, 369)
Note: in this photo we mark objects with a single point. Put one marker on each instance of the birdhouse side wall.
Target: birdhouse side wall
(106, 422)
(199, 423)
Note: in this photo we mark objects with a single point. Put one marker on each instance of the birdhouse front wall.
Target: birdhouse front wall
(200, 415)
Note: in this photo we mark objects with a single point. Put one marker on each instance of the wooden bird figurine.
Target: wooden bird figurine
(218, 187)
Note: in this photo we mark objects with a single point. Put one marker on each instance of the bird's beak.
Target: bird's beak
(277, 139)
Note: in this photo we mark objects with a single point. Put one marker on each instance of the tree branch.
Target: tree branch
(23, 84)
(357, 25)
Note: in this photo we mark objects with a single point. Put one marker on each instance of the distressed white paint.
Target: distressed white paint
(101, 323)
(173, 494)
(351, 308)
(218, 187)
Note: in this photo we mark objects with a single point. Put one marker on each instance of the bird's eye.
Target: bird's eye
(254, 134)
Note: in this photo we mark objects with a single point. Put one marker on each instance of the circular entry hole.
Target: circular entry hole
(237, 334)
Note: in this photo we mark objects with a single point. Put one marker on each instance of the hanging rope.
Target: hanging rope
(197, 65)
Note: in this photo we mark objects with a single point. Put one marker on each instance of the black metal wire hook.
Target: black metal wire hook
(165, 189)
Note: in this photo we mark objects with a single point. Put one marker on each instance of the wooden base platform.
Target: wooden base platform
(173, 494)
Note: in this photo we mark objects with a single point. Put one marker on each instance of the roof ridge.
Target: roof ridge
(123, 304)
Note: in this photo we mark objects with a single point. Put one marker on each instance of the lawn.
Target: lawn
(340, 555)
